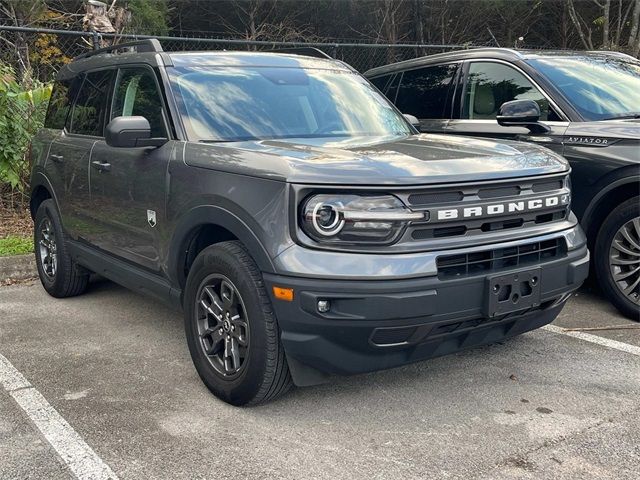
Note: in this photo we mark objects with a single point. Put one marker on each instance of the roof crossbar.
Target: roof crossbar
(140, 46)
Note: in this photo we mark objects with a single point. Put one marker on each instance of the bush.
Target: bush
(23, 105)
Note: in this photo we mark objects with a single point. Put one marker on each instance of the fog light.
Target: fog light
(324, 306)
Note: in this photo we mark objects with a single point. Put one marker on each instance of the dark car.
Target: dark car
(583, 105)
(295, 215)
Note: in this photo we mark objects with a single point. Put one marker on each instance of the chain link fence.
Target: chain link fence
(44, 51)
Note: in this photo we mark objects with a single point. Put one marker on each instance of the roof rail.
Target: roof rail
(306, 51)
(612, 53)
(146, 45)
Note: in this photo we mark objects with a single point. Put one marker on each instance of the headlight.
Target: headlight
(361, 219)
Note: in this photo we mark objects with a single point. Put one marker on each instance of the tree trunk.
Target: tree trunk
(635, 20)
(605, 26)
(586, 40)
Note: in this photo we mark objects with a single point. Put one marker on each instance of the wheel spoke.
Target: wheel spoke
(631, 286)
(235, 353)
(209, 310)
(228, 295)
(636, 226)
(215, 339)
(628, 238)
(623, 275)
(216, 303)
(624, 261)
(622, 248)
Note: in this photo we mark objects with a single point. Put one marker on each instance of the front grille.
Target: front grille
(478, 263)
(501, 193)
(547, 186)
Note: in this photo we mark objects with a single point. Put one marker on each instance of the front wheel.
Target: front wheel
(617, 257)
(231, 329)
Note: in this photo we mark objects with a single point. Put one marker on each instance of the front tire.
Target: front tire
(59, 274)
(617, 258)
(231, 329)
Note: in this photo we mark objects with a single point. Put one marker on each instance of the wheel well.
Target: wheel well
(199, 239)
(39, 195)
(605, 206)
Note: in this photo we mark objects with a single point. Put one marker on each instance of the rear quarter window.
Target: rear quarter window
(59, 104)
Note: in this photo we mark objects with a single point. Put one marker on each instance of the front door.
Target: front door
(128, 185)
(489, 84)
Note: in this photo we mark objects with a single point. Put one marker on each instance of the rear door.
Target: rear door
(128, 185)
(486, 85)
(427, 93)
(69, 153)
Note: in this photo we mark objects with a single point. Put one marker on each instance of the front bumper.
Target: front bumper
(374, 324)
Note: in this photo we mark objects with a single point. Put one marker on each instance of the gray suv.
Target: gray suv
(299, 220)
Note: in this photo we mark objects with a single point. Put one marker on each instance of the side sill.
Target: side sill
(125, 274)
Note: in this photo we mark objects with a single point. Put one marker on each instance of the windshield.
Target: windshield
(260, 103)
(599, 87)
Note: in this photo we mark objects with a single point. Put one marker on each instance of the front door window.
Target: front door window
(490, 84)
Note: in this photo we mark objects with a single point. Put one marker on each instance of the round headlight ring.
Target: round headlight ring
(327, 230)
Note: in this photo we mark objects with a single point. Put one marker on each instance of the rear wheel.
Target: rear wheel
(617, 257)
(231, 329)
(60, 275)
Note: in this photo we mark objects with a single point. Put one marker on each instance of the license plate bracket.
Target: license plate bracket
(513, 292)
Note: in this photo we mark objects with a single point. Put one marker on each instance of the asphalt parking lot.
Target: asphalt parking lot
(115, 367)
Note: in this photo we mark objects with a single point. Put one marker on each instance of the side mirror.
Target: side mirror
(131, 132)
(412, 120)
(521, 113)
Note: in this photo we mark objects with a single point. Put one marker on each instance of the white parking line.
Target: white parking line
(587, 337)
(79, 457)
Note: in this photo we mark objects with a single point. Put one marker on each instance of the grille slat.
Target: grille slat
(455, 266)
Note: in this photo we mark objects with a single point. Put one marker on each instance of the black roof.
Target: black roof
(492, 53)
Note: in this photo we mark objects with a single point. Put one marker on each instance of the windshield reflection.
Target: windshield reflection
(266, 103)
(599, 87)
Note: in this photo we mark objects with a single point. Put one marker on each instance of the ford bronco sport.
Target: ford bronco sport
(295, 215)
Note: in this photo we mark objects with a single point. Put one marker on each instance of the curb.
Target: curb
(18, 267)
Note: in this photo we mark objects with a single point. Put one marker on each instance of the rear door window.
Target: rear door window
(89, 110)
(490, 84)
(424, 92)
(136, 94)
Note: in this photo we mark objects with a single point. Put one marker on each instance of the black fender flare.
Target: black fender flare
(213, 215)
(39, 179)
(621, 177)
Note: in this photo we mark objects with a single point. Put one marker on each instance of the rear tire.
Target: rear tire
(231, 328)
(617, 258)
(59, 274)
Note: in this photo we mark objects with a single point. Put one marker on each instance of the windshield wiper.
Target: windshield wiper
(624, 116)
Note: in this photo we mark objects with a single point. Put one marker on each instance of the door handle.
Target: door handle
(101, 167)
(56, 158)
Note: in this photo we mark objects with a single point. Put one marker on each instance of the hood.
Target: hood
(413, 160)
(611, 129)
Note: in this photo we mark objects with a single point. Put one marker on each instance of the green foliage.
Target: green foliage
(15, 246)
(22, 112)
(148, 17)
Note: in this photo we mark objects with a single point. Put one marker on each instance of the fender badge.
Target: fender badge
(151, 217)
